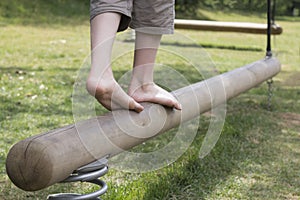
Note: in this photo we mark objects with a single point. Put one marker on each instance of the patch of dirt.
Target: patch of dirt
(290, 119)
(292, 80)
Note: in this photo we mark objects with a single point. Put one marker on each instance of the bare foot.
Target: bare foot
(151, 92)
(109, 94)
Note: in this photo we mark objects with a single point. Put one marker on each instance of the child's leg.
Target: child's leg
(101, 83)
(142, 88)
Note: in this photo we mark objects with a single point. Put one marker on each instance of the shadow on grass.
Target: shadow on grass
(12, 104)
(209, 46)
(288, 18)
(12, 107)
(199, 15)
(44, 12)
(214, 46)
(198, 178)
(252, 144)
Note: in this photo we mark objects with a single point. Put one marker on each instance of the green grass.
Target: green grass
(257, 156)
(43, 12)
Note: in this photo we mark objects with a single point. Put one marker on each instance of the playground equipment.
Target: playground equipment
(79, 152)
(240, 27)
(49, 158)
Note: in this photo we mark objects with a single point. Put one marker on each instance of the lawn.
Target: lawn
(256, 157)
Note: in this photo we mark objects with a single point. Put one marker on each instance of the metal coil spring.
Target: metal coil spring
(89, 173)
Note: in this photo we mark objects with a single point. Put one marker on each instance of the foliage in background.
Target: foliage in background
(257, 156)
(26, 10)
(189, 8)
(186, 8)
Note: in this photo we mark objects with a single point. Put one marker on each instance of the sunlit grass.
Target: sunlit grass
(257, 156)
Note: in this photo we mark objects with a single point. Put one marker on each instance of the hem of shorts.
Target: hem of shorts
(154, 30)
(103, 10)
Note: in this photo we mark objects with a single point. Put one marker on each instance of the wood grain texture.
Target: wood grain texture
(43, 160)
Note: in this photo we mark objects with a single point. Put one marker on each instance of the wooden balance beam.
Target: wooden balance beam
(43, 160)
(241, 27)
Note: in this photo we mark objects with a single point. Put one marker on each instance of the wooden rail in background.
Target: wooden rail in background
(240, 27)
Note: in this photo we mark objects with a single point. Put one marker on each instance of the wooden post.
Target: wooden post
(48, 158)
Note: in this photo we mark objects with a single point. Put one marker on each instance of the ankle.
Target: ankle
(99, 86)
(138, 81)
(140, 87)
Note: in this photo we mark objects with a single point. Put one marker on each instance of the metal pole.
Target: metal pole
(269, 31)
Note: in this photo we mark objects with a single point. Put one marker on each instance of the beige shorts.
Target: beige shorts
(147, 16)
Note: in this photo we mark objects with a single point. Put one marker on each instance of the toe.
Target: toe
(139, 108)
(133, 105)
(178, 106)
